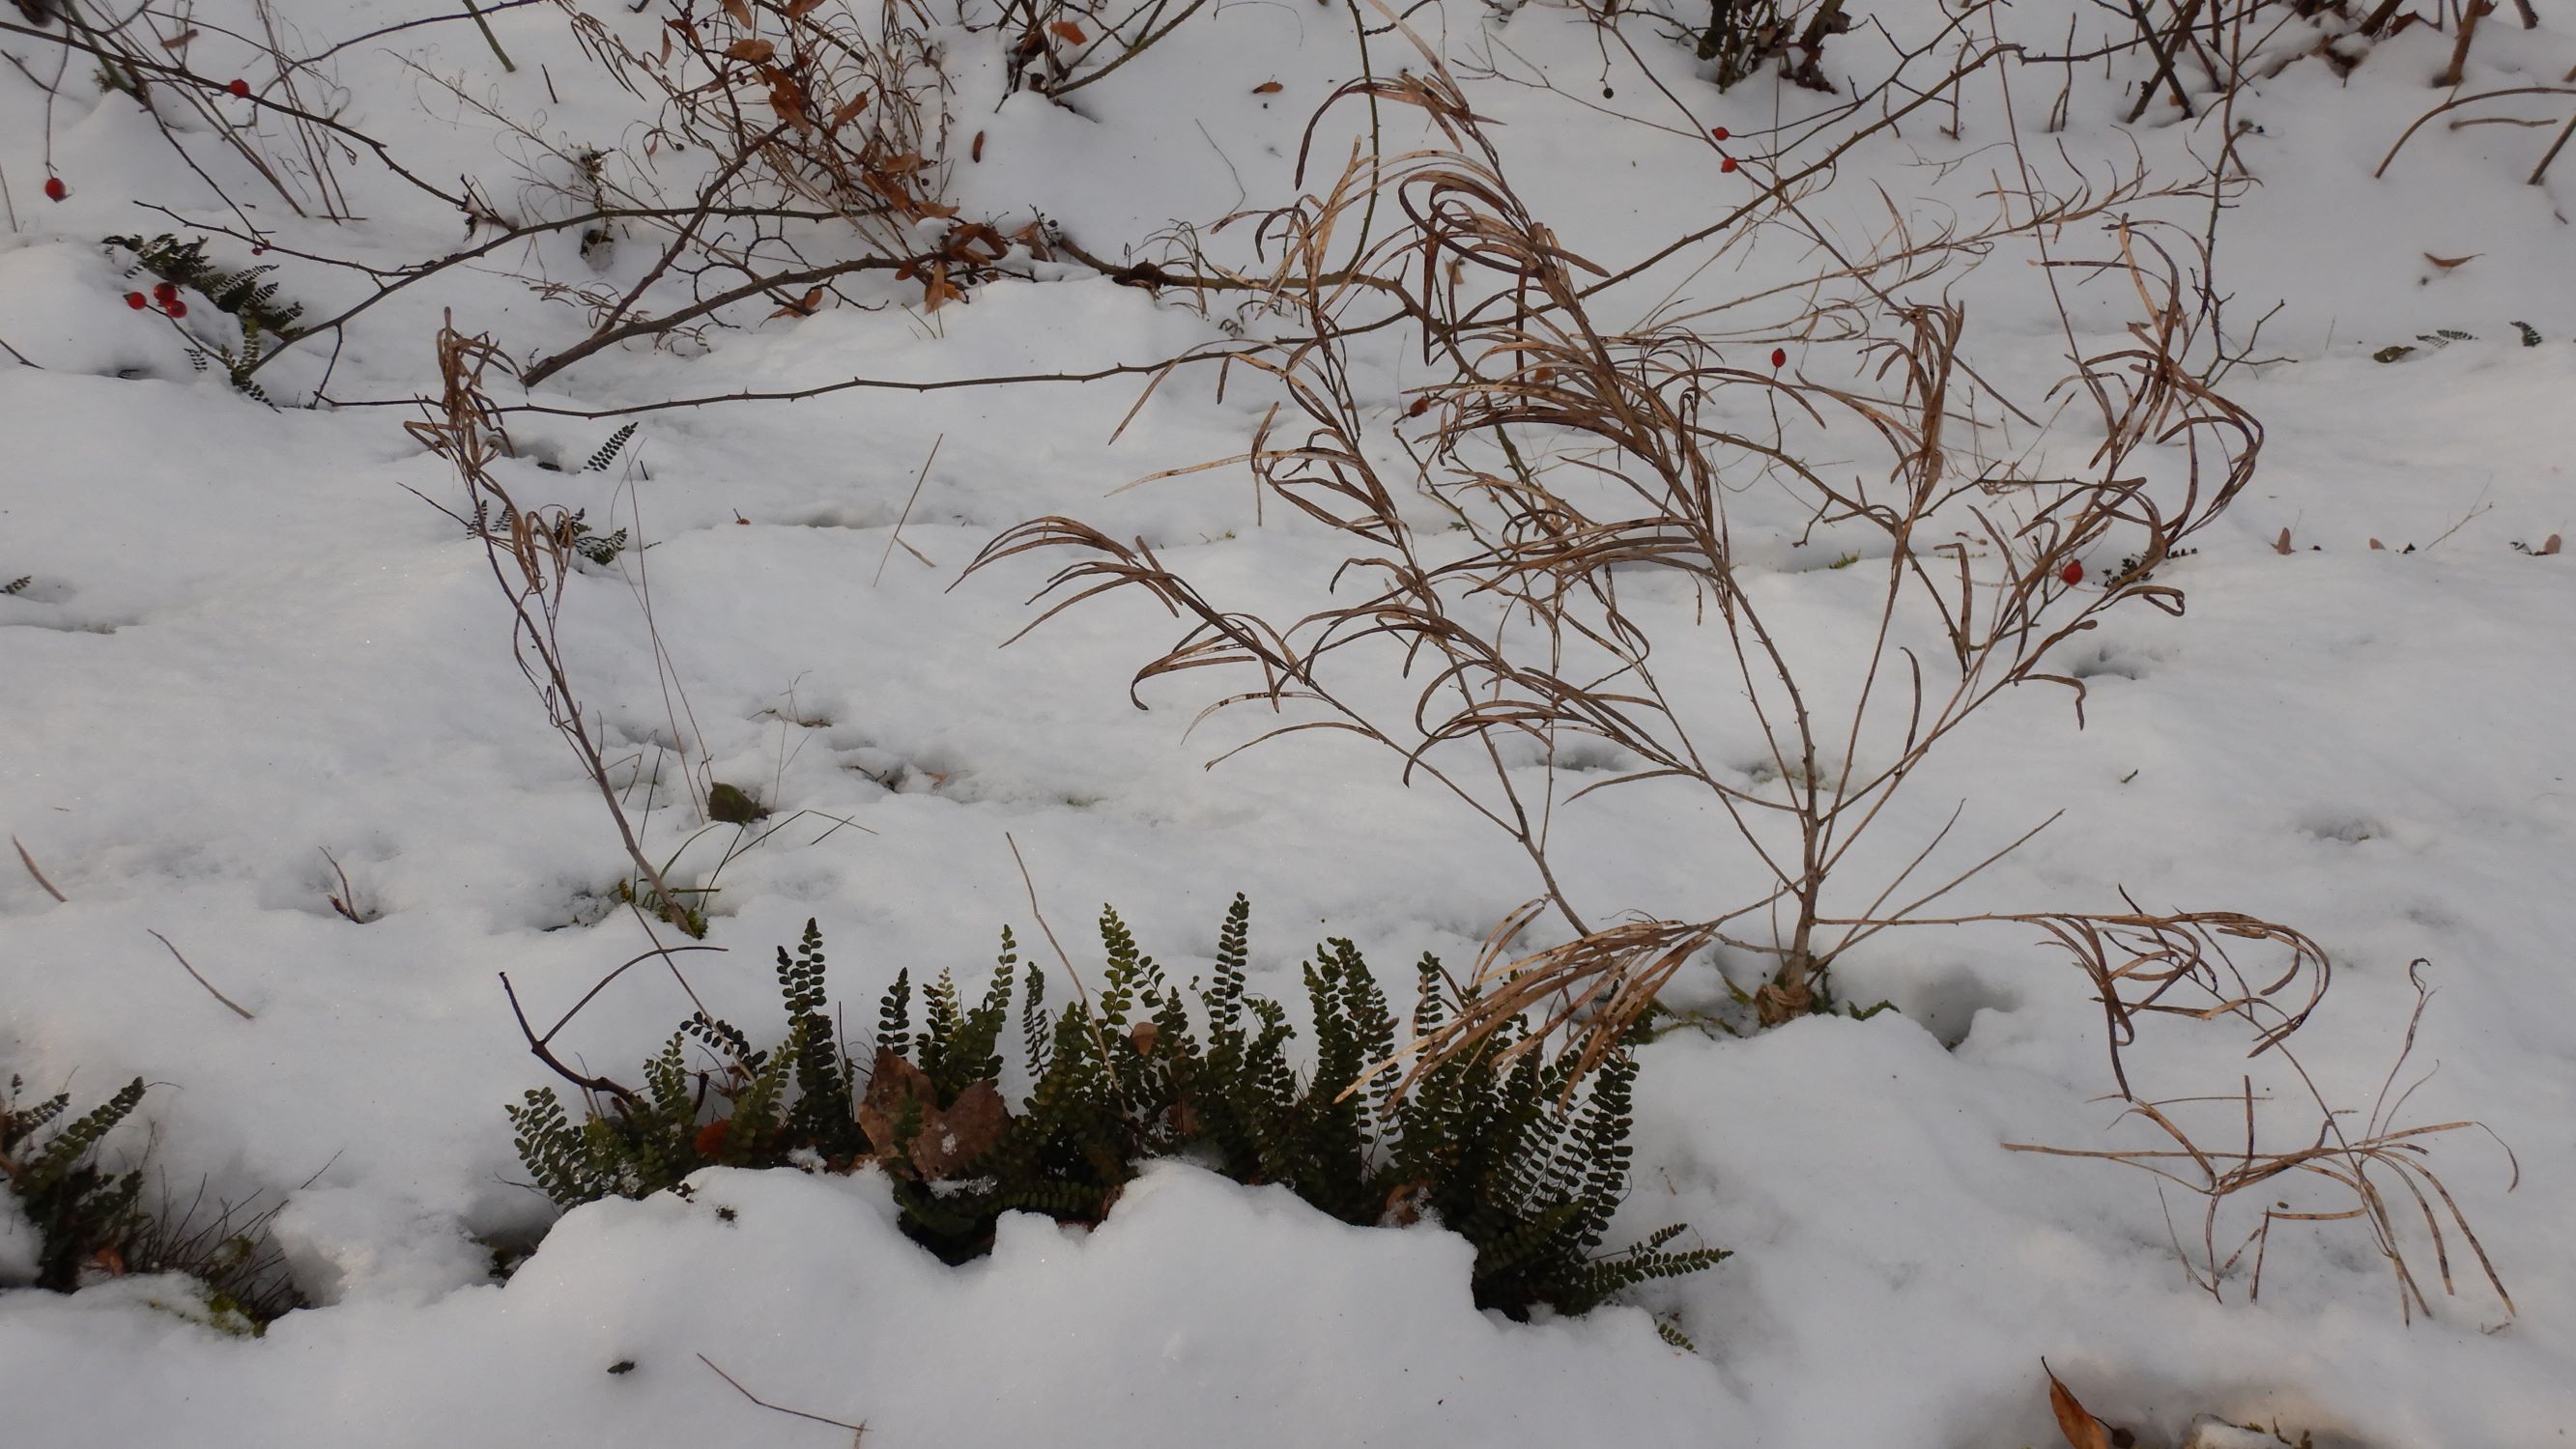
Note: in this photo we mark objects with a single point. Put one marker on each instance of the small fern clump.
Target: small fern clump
(1503, 1147)
(90, 1222)
(80, 1210)
(749, 1109)
(574, 532)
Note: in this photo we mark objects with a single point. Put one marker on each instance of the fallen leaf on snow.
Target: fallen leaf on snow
(2081, 1429)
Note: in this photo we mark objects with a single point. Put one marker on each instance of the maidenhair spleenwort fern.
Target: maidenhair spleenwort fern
(78, 1208)
(1503, 1148)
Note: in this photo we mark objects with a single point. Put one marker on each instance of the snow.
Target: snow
(1135, 1331)
(244, 643)
(19, 1246)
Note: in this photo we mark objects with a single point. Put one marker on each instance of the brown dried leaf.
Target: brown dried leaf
(802, 8)
(803, 306)
(2548, 546)
(2081, 1429)
(893, 1083)
(2375, 543)
(2447, 263)
(937, 291)
(2282, 544)
(711, 1138)
(740, 12)
(1067, 31)
(1143, 1036)
(787, 98)
(1404, 1205)
(751, 48)
(965, 1130)
(1267, 88)
(842, 113)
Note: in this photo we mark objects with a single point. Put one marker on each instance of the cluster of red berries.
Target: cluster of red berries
(165, 293)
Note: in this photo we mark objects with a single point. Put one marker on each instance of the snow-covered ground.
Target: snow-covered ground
(246, 641)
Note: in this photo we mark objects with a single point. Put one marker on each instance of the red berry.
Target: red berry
(55, 190)
(1720, 132)
(239, 88)
(176, 310)
(1726, 165)
(2073, 573)
(1779, 358)
(165, 292)
(137, 301)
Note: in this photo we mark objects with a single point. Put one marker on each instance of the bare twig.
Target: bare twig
(29, 862)
(231, 1004)
(858, 1432)
(917, 481)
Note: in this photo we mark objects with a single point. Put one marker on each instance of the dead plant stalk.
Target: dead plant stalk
(1574, 455)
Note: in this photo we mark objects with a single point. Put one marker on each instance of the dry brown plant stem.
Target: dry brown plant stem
(1573, 453)
(531, 559)
(29, 862)
(194, 974)
(2376, 1171)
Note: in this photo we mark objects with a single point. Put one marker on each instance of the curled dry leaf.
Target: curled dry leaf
(2081, 1429)
(1067, 31)
(1267, 88)
(2282, 544)
(2447, 263)
(752, 49)
(2548, 546)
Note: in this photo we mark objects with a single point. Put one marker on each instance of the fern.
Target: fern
(1499, 1143)
(83, 1214)
(601, 460)
(243, 294)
